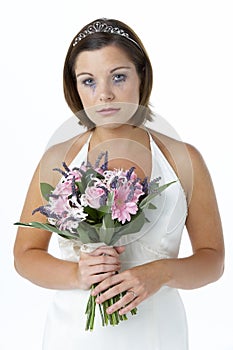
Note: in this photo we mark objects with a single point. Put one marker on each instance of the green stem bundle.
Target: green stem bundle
(112, 319)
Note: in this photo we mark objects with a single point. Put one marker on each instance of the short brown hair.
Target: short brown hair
(97, 40)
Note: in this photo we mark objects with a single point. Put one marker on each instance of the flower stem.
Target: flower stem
(90, 311)
(112, 319)
(102, 314)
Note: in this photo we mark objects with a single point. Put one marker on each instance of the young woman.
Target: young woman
(107, 84)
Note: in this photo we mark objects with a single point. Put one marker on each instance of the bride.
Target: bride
(107, 84)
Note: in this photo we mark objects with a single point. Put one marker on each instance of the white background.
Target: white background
(190, 46)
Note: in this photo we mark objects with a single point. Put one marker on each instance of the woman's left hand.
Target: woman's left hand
(137, 282)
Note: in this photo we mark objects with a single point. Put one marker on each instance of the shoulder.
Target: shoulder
(185, 159)
(59, 153)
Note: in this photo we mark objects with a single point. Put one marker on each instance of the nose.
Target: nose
(106, 94)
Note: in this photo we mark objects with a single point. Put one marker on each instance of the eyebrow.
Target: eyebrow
(111, 71)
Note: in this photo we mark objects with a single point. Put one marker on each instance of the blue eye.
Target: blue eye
(118, 78)
(88, 82)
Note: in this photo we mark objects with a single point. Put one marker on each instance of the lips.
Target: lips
(108, 111)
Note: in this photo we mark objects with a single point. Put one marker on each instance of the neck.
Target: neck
(121, 131)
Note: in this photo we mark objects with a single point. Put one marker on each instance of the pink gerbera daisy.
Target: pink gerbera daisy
(123, 207)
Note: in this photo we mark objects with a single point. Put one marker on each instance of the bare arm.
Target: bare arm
(32, 260)
(205, 231)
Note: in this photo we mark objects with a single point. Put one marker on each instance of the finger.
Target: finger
(105, 286)
(120, 249)
(132, 292)
(105, 251)
(104, 260)
(130, 306)
(99, 259)
(102, 268)
(98, 278)
(110, 292)
(125, 304)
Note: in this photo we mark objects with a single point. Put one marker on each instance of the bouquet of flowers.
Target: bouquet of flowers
(93, 204)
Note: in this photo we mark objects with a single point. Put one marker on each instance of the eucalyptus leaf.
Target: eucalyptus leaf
(48, 227)
(110, 199)
(106, 231)
(106, 234)
(88, 176)
(46, 189)
(79, 184)
(145, 202)
(104, 209)
(88, 233)
(93, 214)
(133, 226)
(151, 206)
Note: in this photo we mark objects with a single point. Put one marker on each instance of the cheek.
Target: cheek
(85, 97)
(133, 95)
(134, 92)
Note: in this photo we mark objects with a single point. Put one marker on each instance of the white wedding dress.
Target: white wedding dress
(160, 323)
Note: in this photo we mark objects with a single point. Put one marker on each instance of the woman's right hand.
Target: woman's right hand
(96, 266)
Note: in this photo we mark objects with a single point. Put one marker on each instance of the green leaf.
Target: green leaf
(107, 230)
(86, 178)
(145, 202)
(110, 199)
(92, 213)
(104, 210)
(135, 225)
(48, 227)
(88, 233)
(79, 184)
(45, 189)
(151, 206)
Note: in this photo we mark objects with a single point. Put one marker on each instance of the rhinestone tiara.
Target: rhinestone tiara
(102, 27)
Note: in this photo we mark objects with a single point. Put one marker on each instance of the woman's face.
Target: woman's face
(108, 85)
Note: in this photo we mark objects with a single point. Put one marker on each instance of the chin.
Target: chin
(114, 124)
(110, 123)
